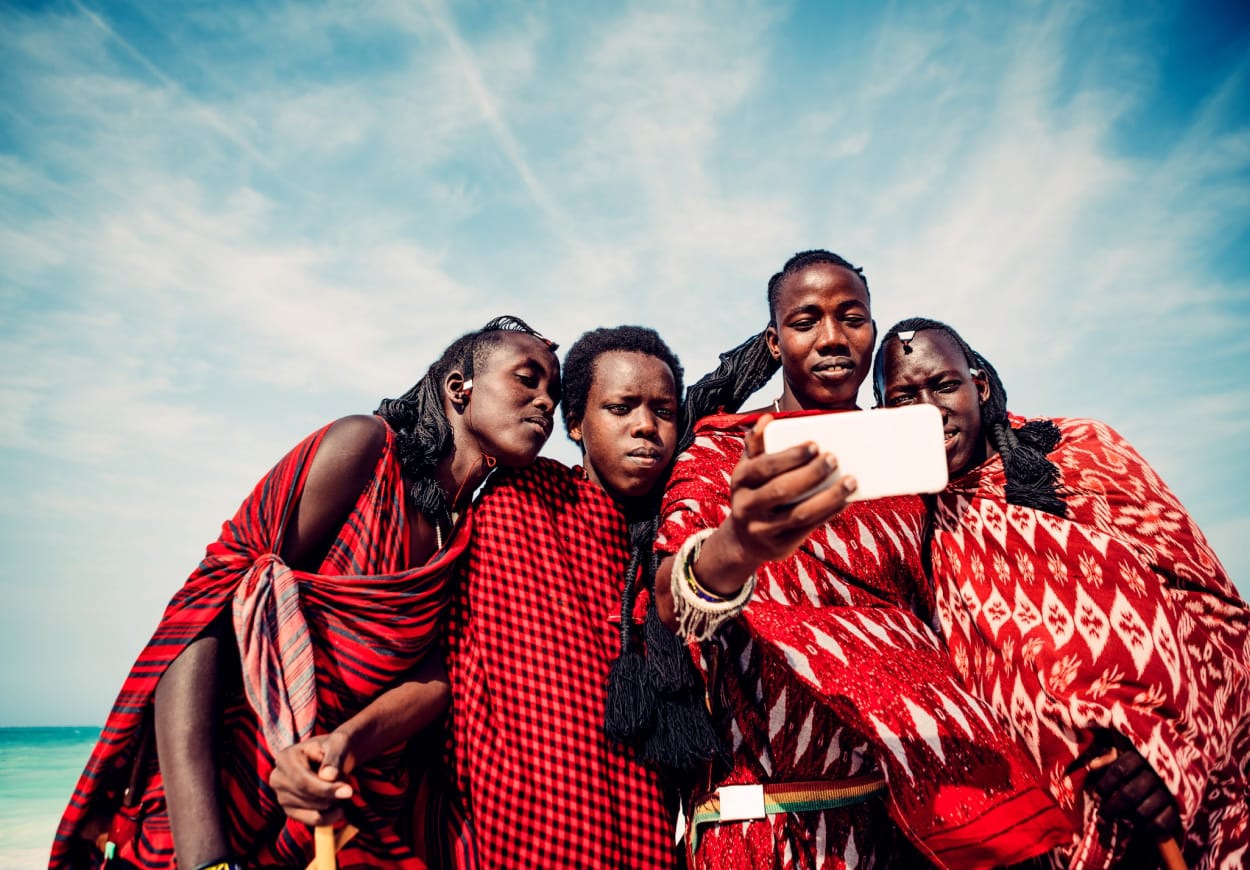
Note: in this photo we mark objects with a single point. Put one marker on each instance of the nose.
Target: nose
(644, 424)
(925, 396)
(544, 402)
(830, 337)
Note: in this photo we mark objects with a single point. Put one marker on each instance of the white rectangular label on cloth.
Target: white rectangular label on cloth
(738, 802)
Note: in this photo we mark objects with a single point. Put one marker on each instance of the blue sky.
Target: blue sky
(222, 225)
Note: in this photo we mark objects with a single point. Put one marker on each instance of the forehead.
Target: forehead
(819, 283)
(513, 348)
(628, 371)
(931, 350)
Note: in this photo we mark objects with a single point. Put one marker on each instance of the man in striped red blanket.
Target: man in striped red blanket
(330, 581)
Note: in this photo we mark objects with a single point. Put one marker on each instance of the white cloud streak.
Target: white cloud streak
(180, 308)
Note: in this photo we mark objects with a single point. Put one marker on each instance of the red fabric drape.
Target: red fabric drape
(532, 641)
(829, 673)
(1120, 617)
(369, 621)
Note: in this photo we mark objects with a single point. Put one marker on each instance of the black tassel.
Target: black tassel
(683, 738)
(631, 698)
(668, 661)
(1032, 478)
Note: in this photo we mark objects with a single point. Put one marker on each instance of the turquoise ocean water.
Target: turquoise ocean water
(38, 770)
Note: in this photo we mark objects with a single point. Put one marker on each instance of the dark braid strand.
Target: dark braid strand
(655, 694)
(1032, 479)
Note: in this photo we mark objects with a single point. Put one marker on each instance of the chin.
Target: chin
(633, 488)
(514, 459)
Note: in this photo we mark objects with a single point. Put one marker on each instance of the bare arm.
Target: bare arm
(308, 777)
(187, 702)
(765, 524)
(342, 466)
(186, 711)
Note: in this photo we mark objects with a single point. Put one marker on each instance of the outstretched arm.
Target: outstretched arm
(765, 522)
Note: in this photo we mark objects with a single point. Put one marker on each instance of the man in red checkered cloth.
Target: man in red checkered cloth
(330, 582)
(852, 741)
(1080, 598)
(532, 635)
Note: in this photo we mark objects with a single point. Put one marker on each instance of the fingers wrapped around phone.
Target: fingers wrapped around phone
(779, 498)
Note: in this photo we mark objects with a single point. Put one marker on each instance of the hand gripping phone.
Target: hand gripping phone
(889, 451)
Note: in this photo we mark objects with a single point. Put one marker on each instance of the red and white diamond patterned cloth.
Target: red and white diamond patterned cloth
(1120, 617)
(829, 674)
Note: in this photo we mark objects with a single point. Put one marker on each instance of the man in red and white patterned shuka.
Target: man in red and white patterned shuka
(532, 639)
(852, 741)
(1080, 598)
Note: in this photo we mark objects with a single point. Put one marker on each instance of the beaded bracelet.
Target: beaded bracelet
(700, 613)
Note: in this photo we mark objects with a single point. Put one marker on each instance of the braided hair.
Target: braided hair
(423, 434)
(655, 695)
(1032, 479)
(799, 262)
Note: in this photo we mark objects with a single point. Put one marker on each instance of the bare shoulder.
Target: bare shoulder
(353, 442)
(347, 454)
(343, 465)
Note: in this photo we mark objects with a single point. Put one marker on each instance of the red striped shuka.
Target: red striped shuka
(829, 675)
(533, 631)
(315, 649)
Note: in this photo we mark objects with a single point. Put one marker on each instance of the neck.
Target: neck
(788, 401)
(459, 474)
(984, 451)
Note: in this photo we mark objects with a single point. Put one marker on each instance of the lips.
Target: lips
(542, 422)
(837, 367)
(644, 455)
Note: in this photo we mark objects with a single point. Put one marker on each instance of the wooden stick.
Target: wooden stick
(1170, 855)
(323, 838)
(328, 843)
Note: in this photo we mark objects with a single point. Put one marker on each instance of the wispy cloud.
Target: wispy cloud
(224, 226)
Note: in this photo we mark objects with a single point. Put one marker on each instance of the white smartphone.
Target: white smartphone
(889, 451)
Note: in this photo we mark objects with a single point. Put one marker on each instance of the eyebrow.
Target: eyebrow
(636, 397)
(813, 307)
(936, 376)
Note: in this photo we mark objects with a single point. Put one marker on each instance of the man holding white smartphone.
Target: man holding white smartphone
(828, 686)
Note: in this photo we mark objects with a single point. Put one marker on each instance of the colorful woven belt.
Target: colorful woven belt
(743, 802)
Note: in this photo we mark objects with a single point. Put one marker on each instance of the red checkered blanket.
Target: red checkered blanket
(531, 644)
(369, 622)
(828, 674)
(1119, 617)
